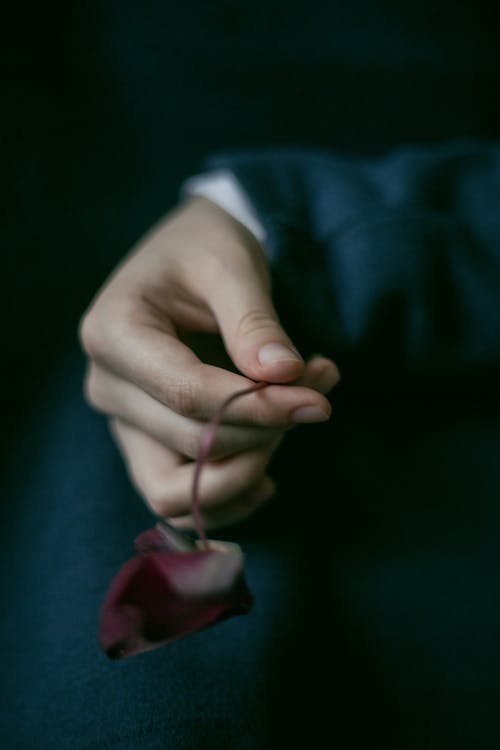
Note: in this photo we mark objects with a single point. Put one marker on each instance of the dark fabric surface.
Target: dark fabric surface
(376, 566)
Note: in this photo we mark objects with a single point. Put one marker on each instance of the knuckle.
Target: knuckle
(156, 496)
(157, 502)
(152, 488)
(92, 390)
(107, 321)
(254, 321)
(192, 442)
(90, 333)
(182, 399)
(262, 414)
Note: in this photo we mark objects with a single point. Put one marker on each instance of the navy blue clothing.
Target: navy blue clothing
(376, 568)
(396, 256)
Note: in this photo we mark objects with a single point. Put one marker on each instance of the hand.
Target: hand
(181, 324)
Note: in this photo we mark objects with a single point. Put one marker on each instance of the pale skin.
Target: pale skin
(184, 321)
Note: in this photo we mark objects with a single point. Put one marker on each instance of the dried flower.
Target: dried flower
(175, 586)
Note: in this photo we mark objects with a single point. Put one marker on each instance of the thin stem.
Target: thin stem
(207, 443)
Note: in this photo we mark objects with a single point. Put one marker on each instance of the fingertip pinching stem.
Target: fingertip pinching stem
(207, 444)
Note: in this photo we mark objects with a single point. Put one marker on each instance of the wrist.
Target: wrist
(221, 187)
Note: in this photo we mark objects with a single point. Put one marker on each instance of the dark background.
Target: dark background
(107, 106)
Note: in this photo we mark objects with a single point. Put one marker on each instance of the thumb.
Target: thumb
(253, 335)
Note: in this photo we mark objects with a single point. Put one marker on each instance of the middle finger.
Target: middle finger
(116, 397)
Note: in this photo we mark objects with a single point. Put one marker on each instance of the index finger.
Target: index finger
(155, 360)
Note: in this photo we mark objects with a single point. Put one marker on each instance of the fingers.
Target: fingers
(200, 272)
(230, 492)
(118, 398)
(162, 366)
(250, 327)
(236, 289)
(165, 479)
(235, 511)
(321, 374)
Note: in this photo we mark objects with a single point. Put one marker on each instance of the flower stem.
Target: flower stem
(207, 443)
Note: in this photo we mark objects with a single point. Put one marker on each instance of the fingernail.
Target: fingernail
(306, 414)
(271, 354)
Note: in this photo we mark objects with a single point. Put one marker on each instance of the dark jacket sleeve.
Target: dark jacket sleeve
(389, 263)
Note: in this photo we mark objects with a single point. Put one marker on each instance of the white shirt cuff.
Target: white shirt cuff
(222, 187)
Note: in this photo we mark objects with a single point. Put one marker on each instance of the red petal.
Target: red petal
(163, 538)
(160, 596)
